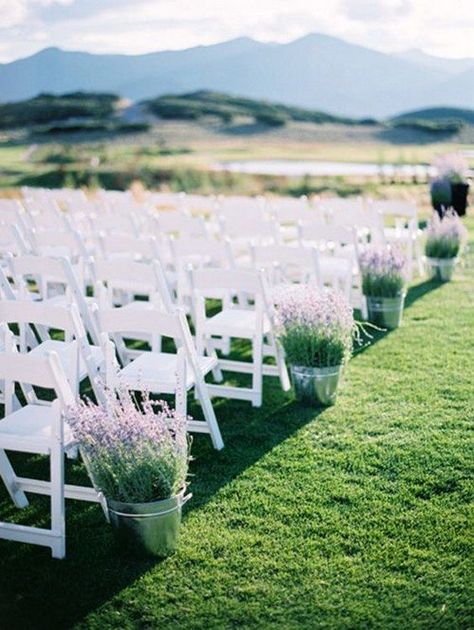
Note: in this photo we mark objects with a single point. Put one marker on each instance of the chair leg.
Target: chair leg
(58, 521)
(209, 414)
(9, 478)
(281, 364)
(257, 370)
(216, 372)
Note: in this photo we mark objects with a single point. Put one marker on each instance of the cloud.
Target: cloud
(139, 26)
(368, 10)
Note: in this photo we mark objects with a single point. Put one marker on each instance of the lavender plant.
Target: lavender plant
(382, 272)
(445, 236)
(452, 167)
(314, 326)
(133, 455)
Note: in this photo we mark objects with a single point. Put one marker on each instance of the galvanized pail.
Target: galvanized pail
(316, 386)
(441, 268)
(148, 528)
(386, 312)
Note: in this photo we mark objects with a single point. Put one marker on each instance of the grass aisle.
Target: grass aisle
(359, 516)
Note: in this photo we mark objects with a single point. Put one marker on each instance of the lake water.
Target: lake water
(299, 168)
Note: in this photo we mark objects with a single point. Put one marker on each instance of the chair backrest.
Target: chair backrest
(324, 235)
(334, 204)
(114, 223)
(165, 200)
(200, 204)
(57, 242)
(176, 222)
(25, 313)
(144, 247)
(44, 213)
(13, 213)
(287, 263)
(252, 207)
(213, 282)
(395, 207)
(253, 228)
(13, 241)
(44, 271)
(289, 210)
(152, 321)
(137, 277)
(26, 369)
(40, 313)
(208, 251)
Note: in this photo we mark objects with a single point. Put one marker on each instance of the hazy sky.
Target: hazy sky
(440, 27)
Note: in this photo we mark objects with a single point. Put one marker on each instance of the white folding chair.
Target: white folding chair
(241, 321)
(338, 260)
(133, 285)
(288, 212)
(142, 248)
(14, 228)
(179, 224)
(285, 264)
(56, 281)
(402, 229)
(37, 320)
(37, 428)
(159, 372)
(197, 253)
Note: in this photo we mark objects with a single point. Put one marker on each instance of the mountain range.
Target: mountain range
(316, 71)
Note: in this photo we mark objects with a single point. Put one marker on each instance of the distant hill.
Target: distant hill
(316, 72)
(205, 103)
(75, 112)
(67, 113)
(46, 108)
(438, 114)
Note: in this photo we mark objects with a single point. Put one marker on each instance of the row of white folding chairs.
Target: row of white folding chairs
(39, 427)
(124, 280)
(240, 227)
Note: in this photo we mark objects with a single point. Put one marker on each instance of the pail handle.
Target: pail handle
(180, 503)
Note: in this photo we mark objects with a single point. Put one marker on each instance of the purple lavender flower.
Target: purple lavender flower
(445, 237)
(315, 326)
(133, 452)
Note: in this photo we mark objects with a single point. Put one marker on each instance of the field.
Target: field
(357, 516)
(180, 155)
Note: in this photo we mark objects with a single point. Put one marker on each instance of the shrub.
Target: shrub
(382, 272)
(315, 326)
(271, 118)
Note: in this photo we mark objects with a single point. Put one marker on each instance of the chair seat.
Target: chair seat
(156, 371)
(235, 322)
(29, 430)
(66, 352)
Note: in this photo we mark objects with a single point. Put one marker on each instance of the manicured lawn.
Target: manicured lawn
(358, 516)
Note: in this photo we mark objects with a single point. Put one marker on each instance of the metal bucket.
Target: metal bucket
(316, 386)
(386, 312)
(441, 268)
(148, 528)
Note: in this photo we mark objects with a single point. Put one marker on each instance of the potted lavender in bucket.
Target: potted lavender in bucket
(315, 328)
(138, 459)
(453, 169)
(383, 285)
(444, 241)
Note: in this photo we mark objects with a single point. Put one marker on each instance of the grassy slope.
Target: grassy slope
(352, 517)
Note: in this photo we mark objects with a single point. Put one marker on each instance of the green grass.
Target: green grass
(357, 516)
